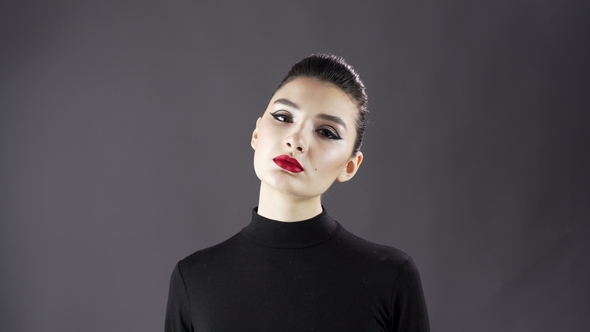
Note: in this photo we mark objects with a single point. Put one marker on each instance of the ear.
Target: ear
(255, 134)
(351, 167)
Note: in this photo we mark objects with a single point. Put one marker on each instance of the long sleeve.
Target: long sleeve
(178, 309)
(408, 303)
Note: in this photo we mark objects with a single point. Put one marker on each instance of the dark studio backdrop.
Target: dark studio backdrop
(125, 146)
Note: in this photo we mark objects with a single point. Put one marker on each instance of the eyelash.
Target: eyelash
(329, 133)
(282, 117)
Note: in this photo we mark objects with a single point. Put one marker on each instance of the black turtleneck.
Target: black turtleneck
(311, 275)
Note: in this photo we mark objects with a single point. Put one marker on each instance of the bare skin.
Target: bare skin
(313, 122)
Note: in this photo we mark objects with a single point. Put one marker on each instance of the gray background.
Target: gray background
(124, 144)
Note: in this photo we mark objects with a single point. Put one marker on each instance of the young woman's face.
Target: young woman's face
(304, 140)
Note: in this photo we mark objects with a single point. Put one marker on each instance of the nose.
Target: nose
(296, 141)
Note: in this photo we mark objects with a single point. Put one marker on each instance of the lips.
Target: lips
(287, 163)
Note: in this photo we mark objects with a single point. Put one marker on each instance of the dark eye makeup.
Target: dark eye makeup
(282, 116)
(327, 131)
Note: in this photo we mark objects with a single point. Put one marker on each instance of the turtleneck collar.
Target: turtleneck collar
(300, 234)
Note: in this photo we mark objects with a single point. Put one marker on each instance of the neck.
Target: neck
(279, 206)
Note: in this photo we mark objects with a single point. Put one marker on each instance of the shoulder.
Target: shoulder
(381, 263)
(210, 256)
(370, 251)
(397, 273)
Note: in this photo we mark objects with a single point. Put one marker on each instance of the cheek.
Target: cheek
(264, 138)
(332, 161)
(268, 131)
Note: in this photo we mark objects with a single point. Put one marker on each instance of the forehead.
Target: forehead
(313, 95)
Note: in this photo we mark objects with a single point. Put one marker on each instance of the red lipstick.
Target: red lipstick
(287, 163)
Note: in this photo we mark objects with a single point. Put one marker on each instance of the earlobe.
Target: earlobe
(255, 135)
(351, 167)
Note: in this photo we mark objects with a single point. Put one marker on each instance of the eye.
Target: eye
(329, 133)
(282, 116)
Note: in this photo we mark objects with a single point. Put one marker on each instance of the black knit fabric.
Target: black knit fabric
(311, 275)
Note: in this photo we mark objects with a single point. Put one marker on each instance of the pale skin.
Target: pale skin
(315, 123)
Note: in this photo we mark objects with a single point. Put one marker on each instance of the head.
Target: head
(333, 69)
(311, 132)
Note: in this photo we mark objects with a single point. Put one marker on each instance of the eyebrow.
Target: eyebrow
(286, 102)
(332, 118)
(323, 116)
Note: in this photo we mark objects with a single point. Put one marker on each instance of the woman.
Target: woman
(293, 268)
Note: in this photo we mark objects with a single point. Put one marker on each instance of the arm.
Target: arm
(408, 304)
(178, 317)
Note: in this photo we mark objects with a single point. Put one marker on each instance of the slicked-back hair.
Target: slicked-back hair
(333, 69)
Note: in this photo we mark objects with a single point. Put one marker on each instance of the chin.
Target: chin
(283, 183)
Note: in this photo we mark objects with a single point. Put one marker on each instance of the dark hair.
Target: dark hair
(334, 69)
